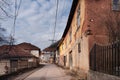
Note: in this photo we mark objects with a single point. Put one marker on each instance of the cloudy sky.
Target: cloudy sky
(36, 20)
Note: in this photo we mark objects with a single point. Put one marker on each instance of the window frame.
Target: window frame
(70, 35)
(116, 5)
(78, 17)
(79, 47)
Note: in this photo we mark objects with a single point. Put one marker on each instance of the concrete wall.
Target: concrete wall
(84, 55)
(45, 57)
(92, 75)
(4, 63)
(35, 53)
(22, 64)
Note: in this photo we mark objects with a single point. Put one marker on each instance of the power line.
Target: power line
(55, 22)
(64, 5)
(12, 34)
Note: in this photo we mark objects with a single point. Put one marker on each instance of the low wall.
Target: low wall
(4, 63)
(92, 75)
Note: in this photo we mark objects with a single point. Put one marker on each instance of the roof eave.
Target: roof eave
(70, 17)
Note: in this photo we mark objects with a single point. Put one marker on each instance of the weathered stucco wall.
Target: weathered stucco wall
(35, 53)
(4, 63)
(84, 55)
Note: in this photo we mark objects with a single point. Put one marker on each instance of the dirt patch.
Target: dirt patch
(76, 75)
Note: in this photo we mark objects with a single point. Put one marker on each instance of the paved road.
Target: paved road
(49, 72)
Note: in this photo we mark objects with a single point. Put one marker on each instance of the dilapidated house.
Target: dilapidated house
(13, 58)
(33, 50)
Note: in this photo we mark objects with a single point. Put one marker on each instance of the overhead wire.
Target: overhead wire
(12, 34)
(55, 21)
(63, 8)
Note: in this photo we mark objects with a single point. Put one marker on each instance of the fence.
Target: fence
(106, 59)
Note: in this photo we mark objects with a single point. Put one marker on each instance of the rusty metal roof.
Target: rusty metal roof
(28, 46)
(13, 51)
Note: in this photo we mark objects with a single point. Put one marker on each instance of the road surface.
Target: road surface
(49, 72)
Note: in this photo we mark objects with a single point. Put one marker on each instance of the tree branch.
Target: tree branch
(4, 11)
(6, 2)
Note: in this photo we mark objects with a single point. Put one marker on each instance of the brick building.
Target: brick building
(89, 22)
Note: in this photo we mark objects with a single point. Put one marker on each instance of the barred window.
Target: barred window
(116, 5)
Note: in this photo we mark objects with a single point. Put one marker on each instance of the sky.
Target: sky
(36, 20)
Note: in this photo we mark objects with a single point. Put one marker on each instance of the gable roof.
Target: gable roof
(70, 17)
(52, 47)
(28, 46)
(13, 51)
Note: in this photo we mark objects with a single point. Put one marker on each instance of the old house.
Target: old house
(13, 58)
(50, 53)
(45, 57)
(34, 50)
(90, 22)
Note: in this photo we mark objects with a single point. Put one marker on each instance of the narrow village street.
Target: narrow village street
(59, 39)
(48, 72)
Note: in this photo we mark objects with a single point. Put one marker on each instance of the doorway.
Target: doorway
(65, 59)
(70, 60)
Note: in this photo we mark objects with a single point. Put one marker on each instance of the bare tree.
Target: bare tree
(112, 23)
(5, 9)
(3, 38)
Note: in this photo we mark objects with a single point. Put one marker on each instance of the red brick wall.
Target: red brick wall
(98, 13)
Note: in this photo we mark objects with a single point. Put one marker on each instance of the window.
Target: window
(65, 43)
(79, 48)
(78, 17)
(70, 35)
(62, 46)
(116, 5)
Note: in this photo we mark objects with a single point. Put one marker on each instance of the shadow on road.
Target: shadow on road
(13, 75)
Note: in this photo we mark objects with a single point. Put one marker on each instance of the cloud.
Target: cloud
(36, 21)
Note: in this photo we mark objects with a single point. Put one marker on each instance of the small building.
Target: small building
(13, 58)
(34, 50)
(50, 53)
(45, 57)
